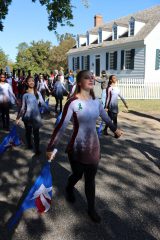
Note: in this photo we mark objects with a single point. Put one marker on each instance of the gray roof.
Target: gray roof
(151, 17)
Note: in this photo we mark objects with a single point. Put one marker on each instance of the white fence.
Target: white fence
(135, 89)
(139, 89)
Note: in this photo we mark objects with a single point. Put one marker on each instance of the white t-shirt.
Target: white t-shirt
(9, 80)
(6, 93)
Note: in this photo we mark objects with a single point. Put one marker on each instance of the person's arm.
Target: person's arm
(11, 94)
(22, 110)
(46, 86)
(108, 121)
(59, 130)
(73, 90)
(123, 100)
(99, 80)
(108, 98)
(41, 100)
(38, 85)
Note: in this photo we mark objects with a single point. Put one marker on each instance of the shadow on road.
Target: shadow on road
(144, 115)
(128, 190)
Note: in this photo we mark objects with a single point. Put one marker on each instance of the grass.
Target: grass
(135, 105)
(142, 106)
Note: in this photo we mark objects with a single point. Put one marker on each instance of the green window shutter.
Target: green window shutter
(107, 61)
(77, 62)
(88, 62)
(132, 59)
(122, 59)
(115, 60)
(82, 62)
(157, 65)
(73, 63)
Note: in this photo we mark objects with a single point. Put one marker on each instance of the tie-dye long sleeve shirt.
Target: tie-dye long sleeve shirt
(84, 143)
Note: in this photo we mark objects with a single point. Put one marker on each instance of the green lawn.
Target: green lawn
(135, 105)
(142, 105)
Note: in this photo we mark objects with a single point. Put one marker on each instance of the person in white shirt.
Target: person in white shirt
(9, 80)
(42, 86)
(7, 98)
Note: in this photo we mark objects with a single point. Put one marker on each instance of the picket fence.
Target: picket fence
(133, 88)
(139, 89)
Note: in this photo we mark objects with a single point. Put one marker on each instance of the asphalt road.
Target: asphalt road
(127, 187)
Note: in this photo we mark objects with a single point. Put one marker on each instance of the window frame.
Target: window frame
(132, 27)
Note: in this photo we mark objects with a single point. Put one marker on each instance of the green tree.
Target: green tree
(59, 12)
(62, 37)
(3, 60)
(58, 57)
(34, 57)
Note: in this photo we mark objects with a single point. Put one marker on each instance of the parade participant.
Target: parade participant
(42, 86)
(7, 98)
(104, 83)
(58, 92)
(9, 79)
(112, 93)
(84, 148)
(30, 113)
(70, 80)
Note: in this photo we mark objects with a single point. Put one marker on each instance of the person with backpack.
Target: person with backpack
(104, 83)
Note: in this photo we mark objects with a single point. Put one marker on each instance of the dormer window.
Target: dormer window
(132, 27)
(115, 32)
(100, 36)
(87, 38)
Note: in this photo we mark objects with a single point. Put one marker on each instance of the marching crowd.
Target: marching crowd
(82, 108)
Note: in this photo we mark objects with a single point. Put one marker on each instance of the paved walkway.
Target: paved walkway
(127, 194)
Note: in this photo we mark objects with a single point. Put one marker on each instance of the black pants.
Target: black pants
(113, 117)
(58, 100)
(4, 109)
(29, 130)
(43, 93)
(89, 171)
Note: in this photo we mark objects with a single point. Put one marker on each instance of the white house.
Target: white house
(128, 47)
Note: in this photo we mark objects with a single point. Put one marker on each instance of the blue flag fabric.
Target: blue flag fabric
(12, 139)
(99, 130)
(38, 197)
(58, 119)
(42, 109)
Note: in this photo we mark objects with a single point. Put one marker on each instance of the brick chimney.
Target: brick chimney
(98, 20)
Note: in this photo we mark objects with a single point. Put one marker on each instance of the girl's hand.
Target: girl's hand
(17, 121)
(118, 133)
(51, 155)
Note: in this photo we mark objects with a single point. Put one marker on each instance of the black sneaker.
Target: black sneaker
(70, 197)
(37, 153)
(94, 216)
(30, 147)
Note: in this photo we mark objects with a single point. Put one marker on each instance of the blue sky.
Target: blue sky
(27, 21)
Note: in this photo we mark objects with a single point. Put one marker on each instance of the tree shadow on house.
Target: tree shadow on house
(144, 115)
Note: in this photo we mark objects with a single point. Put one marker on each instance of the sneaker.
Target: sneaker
(94, 216)
(30, 147)
(37, 152)
(70, 197)
(105, 132)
